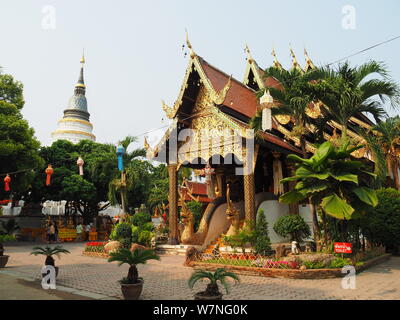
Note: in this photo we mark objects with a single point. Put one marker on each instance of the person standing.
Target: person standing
(52, 233)
(79, 229)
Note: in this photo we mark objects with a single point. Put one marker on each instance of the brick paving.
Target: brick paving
(167, 279)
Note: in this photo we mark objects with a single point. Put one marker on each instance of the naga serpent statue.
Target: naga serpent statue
(232, 214)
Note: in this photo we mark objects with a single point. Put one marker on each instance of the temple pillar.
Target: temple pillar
(293, 208)
(173, 204)
(249, 197)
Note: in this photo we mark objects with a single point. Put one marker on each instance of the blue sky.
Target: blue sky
(134, 53)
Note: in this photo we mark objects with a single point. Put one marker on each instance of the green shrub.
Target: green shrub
(6, 237)
(262, 242)
(245, 235)
(123, 230)
(314, 265)
(113, 233)
(148, 226)
(340, 263)
(145, 237)
(126, 242)
(135, 234)
(140, 218)
(293, 225)
(381, 225)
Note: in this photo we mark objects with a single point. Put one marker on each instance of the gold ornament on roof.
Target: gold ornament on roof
(276, 62)
(170, 112)
(218, 97)
(359, 153)
(249, 57)
(283, 118)
(295, 64)
(313, 110)
(146, 144)
(309, 63)
(189, 45)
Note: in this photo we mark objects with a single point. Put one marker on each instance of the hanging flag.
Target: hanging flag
(7, 181)
(80, 164)
(49, 171)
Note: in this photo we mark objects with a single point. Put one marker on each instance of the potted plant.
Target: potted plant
(132, 285)
(3, 258)
(212, 290)
(49, 252)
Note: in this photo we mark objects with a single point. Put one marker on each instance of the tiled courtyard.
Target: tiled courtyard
(167, 279)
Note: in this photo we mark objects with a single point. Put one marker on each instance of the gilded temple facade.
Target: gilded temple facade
(210, 133)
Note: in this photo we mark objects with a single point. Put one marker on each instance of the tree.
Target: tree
(262, 242)
(381, 225)
(387, 139)
(293, 225)
(332, 182)
(18, 145)
(346, 92)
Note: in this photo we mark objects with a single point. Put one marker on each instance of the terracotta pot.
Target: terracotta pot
(3, 261)
(132, 291)
(201, 296)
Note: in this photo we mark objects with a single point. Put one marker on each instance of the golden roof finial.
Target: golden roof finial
(276, 62)
(309, 63)
(189, 45)
(249, 57)
(83, 57)
(295, 64)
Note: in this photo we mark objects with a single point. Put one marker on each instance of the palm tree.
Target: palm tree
(49, 252)
(134, 258)
(388, 138)
(212, 289)
(293, 97)
(347, 92)
(132, 175)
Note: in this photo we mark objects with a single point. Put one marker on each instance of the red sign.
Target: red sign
(343, 247)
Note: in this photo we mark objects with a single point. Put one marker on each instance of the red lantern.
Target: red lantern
(49, 171)
(7, 181)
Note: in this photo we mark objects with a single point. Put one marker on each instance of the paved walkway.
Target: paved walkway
(167, 279)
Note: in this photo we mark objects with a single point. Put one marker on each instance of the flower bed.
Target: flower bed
(279, 270)
(97, 247)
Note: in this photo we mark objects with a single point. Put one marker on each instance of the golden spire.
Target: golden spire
(189, 45)
(295, 64)
(249, 57)
(309, 63)
(276, 62)
(83, 57)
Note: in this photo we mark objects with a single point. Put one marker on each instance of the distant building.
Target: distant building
(75, 125)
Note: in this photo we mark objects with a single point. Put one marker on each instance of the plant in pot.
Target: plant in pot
(4, 258)
(212, 290)
(132, 285)
(49, 252)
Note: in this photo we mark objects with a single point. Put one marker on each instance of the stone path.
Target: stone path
(167, 279)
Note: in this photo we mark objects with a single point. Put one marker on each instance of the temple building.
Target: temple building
(75, 125)
(242, 170)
